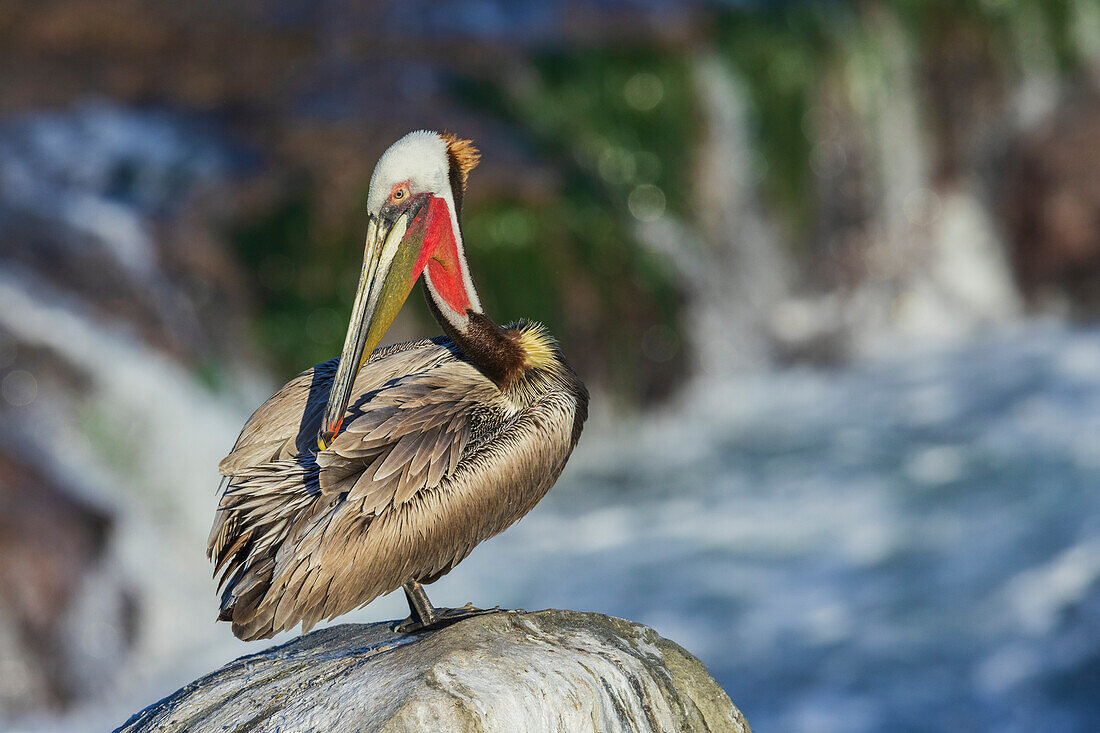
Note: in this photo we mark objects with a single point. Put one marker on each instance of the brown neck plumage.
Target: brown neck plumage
(496, 352)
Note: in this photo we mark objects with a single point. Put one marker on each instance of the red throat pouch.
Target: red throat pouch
(440, 251)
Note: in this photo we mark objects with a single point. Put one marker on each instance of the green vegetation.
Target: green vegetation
(618, 125)
(780, 57)
(305, 285)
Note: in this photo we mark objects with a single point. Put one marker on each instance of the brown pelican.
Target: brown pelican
(384, 469)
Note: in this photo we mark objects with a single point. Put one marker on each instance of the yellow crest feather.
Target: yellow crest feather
(537, 345)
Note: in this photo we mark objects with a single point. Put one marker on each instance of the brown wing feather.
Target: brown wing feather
(428, 415)
(286, 425)
(295, 527)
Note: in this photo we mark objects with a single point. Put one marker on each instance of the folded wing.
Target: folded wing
(291, 525)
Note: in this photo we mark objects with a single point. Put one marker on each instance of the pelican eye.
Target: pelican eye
(399, 194)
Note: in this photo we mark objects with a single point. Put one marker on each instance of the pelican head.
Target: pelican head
(413, 205)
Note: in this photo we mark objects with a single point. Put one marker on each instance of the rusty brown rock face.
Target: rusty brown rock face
(1052, 208)
(50, 543)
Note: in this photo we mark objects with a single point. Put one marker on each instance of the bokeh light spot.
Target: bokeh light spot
(323, 326)
(511, 230)
(647, 203)
(644, 91)
(19, 388)
(617, 166)
(922, 206)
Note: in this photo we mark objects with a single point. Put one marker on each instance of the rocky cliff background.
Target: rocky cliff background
(831, 268)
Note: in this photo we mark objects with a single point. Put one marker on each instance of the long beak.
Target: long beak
(390, 268)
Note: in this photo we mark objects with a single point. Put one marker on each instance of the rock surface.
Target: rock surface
(543, 671)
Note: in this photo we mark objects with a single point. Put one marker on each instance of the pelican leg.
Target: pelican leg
(423, 616)
(421, 610)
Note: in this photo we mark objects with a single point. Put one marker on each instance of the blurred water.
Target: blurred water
(912, 544)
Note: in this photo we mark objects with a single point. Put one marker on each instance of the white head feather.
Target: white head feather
(419, 158)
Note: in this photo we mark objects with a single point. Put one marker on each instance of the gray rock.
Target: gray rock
(515, 671)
